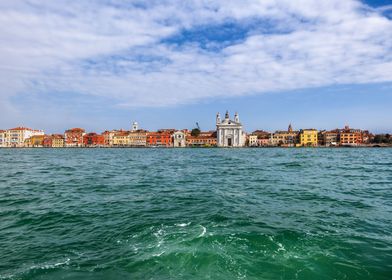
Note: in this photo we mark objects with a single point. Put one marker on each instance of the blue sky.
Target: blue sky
(171, 63)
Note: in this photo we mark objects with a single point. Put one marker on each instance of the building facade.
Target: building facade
(2, 138)
(263, 142)
(53, 141)
(204, 139)
(138, 138)
(263, 138)
(330, 138)
(229, 132)
(93, 140)
(47, 142)
(35, 141)
(108, 136)
(252, 140)
(160, 138)
(289, 138)
(74, 137)
(58, 141)
(351, 137)
(308, 137)
(367, 137)
(179, 139)
(16, 137)
(121, 139)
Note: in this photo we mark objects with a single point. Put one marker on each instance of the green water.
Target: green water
(196, 214)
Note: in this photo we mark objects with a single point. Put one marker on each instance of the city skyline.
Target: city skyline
(229, 133)
(172, 64)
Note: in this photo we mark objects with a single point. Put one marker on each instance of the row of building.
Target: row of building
(311, 137)
(229, 133)
(77, 137)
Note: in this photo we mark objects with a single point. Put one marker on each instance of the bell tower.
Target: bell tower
(135, 126)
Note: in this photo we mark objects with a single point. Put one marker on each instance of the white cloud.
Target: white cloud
(97, 49)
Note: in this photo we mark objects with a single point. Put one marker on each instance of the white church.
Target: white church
(229, 132)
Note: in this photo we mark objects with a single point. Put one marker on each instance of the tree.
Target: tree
(195, 132)
(378, 138)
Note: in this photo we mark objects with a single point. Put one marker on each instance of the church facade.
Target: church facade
(229, 132)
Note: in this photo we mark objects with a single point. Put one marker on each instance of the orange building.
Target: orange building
(161, 138)
(93, 140)
(74, 137)
(207, 138)
(351, 137)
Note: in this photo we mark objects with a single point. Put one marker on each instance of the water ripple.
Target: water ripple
(196, 214)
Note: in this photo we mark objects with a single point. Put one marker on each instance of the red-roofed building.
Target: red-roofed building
(93, 140)
(161, 138)
(74, 137)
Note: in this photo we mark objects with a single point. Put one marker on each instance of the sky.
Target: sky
(102, 64)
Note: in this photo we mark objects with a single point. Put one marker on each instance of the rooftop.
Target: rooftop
(20, 128)
(76, 129)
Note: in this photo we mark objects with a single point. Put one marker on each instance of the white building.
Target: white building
(2, 138)
(229, 132)
(15, 137)
(179, 139)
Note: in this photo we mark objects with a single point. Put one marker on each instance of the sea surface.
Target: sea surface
(196, 213)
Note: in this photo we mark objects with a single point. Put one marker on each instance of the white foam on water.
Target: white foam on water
(160, 232)
(7, 276)
(158, 254)
(281, 247)
(204, 231)
(48, 266)
(160, 242)
(183, 224)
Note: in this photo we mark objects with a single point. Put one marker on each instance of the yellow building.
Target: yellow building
(138, 138)
(252, 140)
(308, 137)
(35, 141)
(58, 141)
(121, 138)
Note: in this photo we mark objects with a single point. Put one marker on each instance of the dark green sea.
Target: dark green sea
(196, 214)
